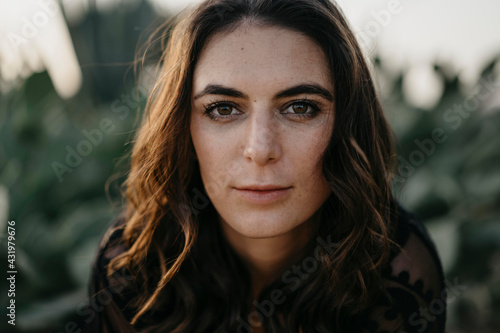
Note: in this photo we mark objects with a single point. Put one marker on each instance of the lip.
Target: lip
(263, 194)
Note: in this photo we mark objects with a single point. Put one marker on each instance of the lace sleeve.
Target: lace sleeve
(416, 298)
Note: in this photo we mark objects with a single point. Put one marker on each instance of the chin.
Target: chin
(263, 233)
(265, 227)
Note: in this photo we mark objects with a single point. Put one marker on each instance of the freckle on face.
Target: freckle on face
(262, 145)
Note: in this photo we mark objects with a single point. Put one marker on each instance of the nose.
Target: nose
(262, 142)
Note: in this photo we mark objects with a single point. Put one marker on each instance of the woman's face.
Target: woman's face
(262, 116)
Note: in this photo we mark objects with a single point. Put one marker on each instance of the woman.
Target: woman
(259, 198)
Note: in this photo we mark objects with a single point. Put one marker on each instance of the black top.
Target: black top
(413, 278)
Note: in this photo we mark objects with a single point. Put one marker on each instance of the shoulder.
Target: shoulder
(108, 294)
(415, 253)
(110, 247)
(111, 244)
(415, 296)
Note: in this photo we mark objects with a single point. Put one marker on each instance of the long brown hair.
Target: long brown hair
(175, 249)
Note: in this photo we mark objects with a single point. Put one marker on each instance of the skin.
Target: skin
(261, 139)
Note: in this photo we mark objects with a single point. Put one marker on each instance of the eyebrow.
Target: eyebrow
(315, 89)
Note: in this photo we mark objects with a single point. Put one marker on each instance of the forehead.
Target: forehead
(261, 56)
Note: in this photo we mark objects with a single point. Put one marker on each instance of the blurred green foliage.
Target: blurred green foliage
(449, 177)
(455, 189)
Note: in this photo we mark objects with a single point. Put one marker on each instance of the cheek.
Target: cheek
(214, 160)
(208, 158)
(203, 142)
(314, 186)
(308, 151)
(308, 163)
(310, 171)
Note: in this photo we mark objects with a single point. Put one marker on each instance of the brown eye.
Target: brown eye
(300, 108)
(224, 110)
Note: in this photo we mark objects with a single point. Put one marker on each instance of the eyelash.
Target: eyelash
(315, 109)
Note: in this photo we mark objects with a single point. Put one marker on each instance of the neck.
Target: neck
(268, 257)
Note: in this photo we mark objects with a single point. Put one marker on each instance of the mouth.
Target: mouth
(263, 194)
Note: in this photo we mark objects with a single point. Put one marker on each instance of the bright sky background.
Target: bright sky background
(465, 32)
